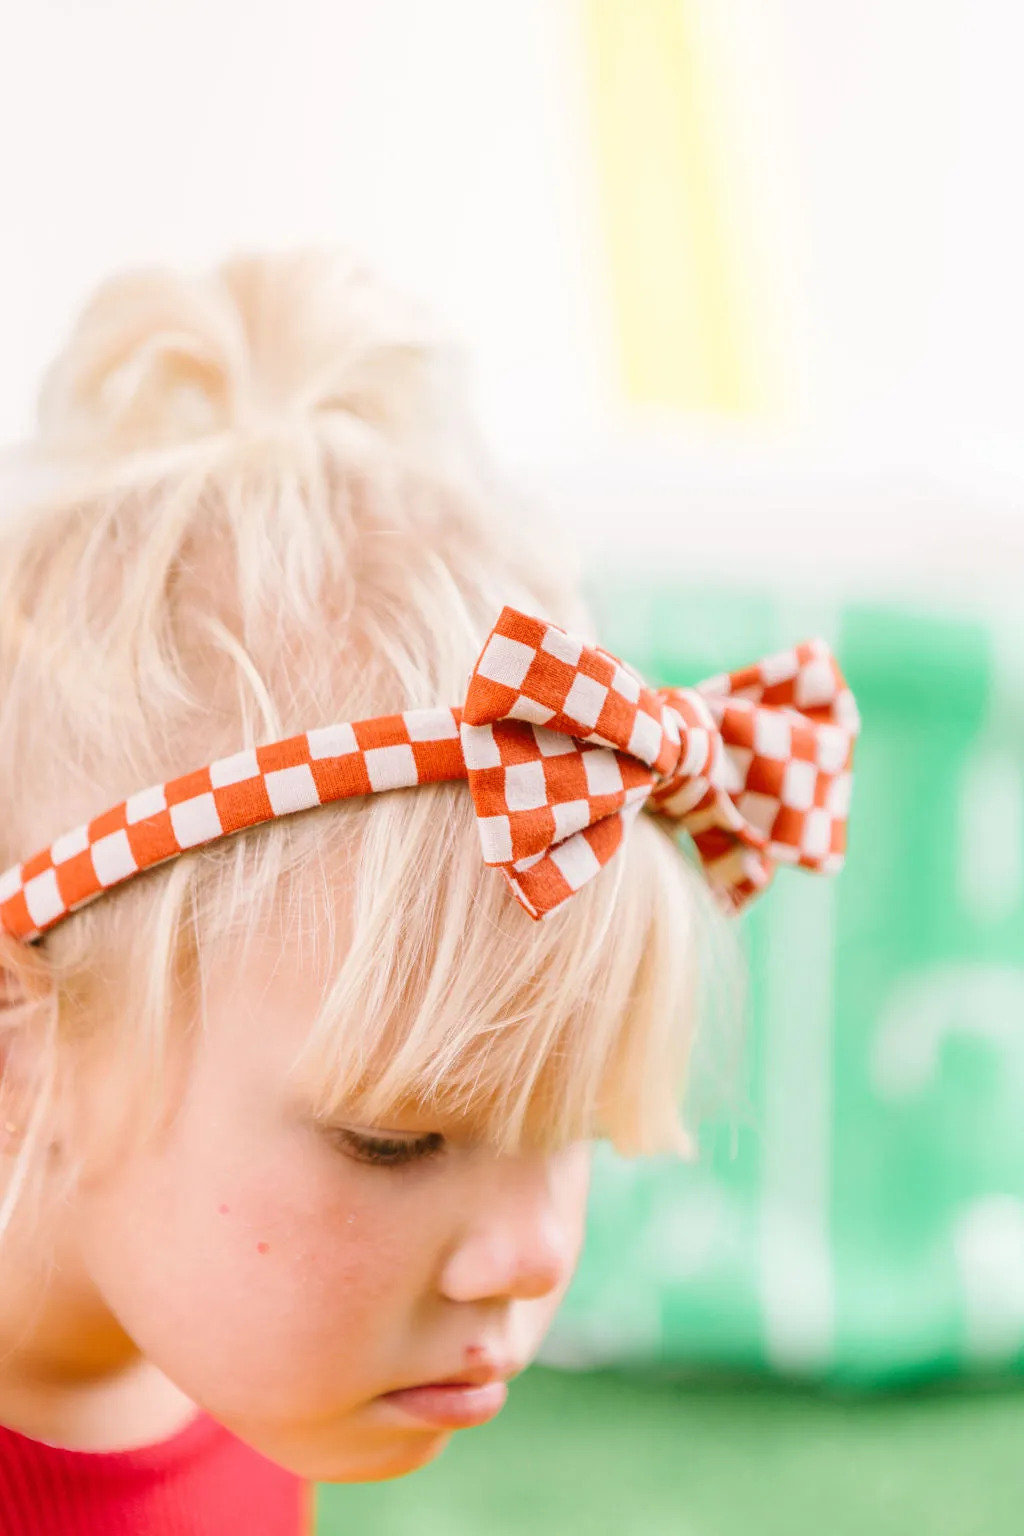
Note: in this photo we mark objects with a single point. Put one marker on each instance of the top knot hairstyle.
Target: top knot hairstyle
(266, 510)
(259, 346)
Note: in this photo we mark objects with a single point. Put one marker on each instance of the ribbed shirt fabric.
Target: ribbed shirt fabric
(201, 1482)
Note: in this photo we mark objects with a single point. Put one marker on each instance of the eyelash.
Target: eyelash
(380, 1152)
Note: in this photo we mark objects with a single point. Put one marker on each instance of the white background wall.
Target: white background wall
(441, 138)
(450, 140)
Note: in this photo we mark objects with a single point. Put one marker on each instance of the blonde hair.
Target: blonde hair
(265, 510)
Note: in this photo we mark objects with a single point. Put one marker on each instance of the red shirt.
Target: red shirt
(201, 1482)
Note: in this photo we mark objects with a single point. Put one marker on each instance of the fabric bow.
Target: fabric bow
(564, 745)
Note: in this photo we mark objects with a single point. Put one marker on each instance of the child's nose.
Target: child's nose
(517, 1247)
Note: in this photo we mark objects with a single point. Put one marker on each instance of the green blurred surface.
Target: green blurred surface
(603, 1455)
(857, 1214)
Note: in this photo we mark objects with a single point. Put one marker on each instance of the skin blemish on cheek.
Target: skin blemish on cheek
(222, 1210)
(262, 1247)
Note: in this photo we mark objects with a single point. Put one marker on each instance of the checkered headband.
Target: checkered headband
(561, 746)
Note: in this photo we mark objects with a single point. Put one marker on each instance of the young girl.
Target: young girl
(295, 1117)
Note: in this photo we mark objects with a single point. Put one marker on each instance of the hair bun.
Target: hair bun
(157, 359)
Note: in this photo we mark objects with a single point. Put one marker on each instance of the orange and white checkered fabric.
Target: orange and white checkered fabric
(561, 745)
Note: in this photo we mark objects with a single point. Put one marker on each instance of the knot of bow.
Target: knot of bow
(564, 745)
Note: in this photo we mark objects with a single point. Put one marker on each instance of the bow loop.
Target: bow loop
(538, 674)
(563, 745)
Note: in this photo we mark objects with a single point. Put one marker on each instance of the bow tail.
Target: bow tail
(734, 871)
(731, 852)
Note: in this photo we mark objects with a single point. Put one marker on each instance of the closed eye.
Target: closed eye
(388, 1151)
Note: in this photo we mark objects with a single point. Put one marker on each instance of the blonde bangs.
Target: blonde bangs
(441, 996)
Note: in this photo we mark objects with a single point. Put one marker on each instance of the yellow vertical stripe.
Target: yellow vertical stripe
(679, 312)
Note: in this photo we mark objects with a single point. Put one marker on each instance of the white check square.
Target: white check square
(833, 748)
(496, 839)
(625, 684)
(531, 711)
(816, 841)
(798, 784)
(506, 661)
(525, 788)
(147, 802)
(431, 725)
(332, 741)
(779, 668)
(772, 735)
(479, 748)
(585, 701)
(571, 816)
(838, 797)
(235, 769)
(604, 776)
(645, 738)
(291, 789)
(553, 743)
(70, 844)
(43, 898)
(112, 858)
(392, 767)
(577, 861)
(816, 685)
(196, 821)
(557, 643)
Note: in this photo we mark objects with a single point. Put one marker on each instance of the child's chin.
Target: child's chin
(379, 1464)
(354, 1449)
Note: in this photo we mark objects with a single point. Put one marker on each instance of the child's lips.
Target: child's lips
(451, 1405)
(460, 1402)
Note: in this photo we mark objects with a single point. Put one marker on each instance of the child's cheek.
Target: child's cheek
(322, 1255)
(273, 1281)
